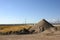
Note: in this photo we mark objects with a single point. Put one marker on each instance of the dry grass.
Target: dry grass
(12, 28)
(39, 36)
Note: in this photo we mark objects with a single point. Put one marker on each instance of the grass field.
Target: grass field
(13, 28)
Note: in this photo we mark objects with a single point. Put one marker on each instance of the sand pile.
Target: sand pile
(43, 25)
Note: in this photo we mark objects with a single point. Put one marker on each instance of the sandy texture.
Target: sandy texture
(39, 36)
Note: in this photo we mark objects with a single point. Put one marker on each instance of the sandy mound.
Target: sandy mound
(42, 26)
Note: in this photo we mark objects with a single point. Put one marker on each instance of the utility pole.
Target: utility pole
(25, 21)
(58, 21)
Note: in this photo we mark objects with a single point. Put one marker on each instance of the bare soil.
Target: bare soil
(39, 36)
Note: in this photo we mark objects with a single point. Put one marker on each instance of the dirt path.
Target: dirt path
(29, 37)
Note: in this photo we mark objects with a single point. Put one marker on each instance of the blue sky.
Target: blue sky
(17, 11)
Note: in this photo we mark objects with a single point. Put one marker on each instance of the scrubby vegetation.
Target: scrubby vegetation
(6, 30)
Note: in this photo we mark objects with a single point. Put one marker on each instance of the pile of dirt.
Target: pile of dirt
(43, 25)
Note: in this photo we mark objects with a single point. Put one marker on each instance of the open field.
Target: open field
(45, 35)
(12, 28)
(38, 36)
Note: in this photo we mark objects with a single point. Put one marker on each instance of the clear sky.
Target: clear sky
(17, 11)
